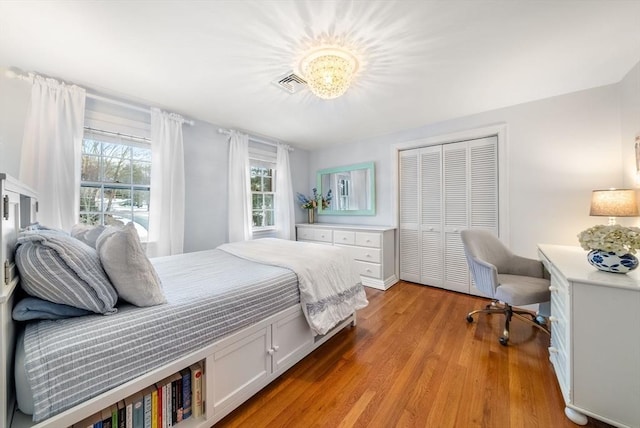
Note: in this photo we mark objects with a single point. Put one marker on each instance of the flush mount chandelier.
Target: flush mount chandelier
(328, 71)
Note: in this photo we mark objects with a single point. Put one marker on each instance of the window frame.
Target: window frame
(255, 163)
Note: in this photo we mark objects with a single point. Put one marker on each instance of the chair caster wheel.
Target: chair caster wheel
(503, 341)
(469, 319)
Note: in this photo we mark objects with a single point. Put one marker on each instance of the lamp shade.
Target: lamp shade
(614, 203)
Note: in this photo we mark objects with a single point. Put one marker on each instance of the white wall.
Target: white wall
(559, 149)
(206, 153)
(206, 157)
(630, 122)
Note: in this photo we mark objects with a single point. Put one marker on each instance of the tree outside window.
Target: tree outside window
(115, 184)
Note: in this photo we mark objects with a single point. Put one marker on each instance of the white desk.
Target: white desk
(595, 337)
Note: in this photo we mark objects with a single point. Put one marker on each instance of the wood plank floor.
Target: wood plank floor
(414, 361)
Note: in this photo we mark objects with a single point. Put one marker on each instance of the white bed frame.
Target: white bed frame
(235, 367)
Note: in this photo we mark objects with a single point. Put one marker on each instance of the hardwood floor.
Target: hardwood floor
(411, 361)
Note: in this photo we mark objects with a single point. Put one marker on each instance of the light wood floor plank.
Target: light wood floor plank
(414, 361)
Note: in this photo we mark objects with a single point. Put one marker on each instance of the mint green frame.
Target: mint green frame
(372, 189)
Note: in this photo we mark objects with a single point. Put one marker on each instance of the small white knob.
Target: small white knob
(369, 270)
(276, 347)
(553, 288)
(270, 351)
(553, 319)
(553, 350)
(368, 255)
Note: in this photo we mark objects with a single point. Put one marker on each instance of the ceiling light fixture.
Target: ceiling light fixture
(328, 71)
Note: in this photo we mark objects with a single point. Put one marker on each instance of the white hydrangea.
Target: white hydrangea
(615, 238)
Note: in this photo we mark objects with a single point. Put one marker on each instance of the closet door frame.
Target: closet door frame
(499, 131)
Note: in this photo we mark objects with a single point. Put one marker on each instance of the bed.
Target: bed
(245, 329)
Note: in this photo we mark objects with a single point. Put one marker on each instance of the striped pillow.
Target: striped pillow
(62, 269)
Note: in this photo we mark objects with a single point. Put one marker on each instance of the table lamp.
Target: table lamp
(614, 203)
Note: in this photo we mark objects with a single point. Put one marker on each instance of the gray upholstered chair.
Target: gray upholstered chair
(508, 279)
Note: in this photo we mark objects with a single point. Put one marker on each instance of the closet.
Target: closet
(444, 189)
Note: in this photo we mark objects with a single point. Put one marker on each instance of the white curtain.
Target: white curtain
(240, 224)
(166, 205)
(285, 215)
(51, 150)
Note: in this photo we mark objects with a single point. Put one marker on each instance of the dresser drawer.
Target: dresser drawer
(305, 233)
(344, 237)
(368, 269)
(371, 255)
(364, 239)
(323, 235)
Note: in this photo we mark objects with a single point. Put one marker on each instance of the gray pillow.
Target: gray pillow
(62, 269)
(128, 267)
(87, 233)
(32, 308)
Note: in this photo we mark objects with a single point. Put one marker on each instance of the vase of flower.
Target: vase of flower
(310, 203)
(611, 248)
(609, 261)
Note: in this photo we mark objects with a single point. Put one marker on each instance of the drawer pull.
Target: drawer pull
(553, 288)
(553, 319)
(368, 270)
(344, 238)
(553, 350)
(368, 255)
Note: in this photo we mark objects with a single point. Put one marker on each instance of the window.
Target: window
(262, 196)
(115, 180)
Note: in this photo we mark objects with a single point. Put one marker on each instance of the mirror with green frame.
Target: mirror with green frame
(352, 188)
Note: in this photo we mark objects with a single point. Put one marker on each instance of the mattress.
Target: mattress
(210, 294)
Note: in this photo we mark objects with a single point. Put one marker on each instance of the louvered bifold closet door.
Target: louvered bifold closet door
(455, 191)
(445, 189)
(409, 216)
(483, 188)
(431, 216)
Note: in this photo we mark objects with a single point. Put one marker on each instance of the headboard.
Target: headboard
(18, 208)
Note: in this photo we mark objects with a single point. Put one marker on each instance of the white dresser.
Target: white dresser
(595, 337)
(372, 247)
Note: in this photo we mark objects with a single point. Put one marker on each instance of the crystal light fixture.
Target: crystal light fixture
(328, 71)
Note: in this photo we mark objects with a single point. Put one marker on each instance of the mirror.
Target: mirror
(352, 188)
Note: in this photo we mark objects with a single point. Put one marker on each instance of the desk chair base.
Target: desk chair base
(507, 310)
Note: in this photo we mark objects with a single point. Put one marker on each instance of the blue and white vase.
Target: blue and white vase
(611, 262)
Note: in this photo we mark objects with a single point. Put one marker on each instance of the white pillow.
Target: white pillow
(87, 233)
(127, 266)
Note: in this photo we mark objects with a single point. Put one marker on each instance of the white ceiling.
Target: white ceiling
(421, 61)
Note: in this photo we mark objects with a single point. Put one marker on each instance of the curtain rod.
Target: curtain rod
(128, 105)
(226, 131)
(12, 74)
(118, 134)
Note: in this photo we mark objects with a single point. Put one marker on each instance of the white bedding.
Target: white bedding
(330, 288)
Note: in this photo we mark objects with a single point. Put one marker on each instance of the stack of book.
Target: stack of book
(163, 405)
